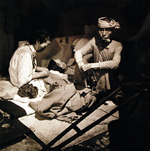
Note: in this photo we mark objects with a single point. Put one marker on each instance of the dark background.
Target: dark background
(67, 17)
(21, 18)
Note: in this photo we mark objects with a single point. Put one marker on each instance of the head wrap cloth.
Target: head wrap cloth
(105, 22)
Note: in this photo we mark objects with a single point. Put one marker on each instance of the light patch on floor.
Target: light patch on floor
(49, 129)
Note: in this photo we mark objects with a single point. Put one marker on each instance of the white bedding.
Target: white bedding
(23, 103)
(9, 92)
(46, 130)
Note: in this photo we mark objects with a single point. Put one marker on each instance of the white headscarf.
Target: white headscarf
(102, 23)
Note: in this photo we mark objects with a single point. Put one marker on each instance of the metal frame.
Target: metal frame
(81, 132)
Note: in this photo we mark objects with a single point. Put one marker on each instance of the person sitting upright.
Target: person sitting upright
(23, 65)
(101, 54)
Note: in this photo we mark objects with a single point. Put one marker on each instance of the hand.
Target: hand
(42, 69)
(83, 68)
(45, 73)
(42, 74)
(80, 64)
(86, 67)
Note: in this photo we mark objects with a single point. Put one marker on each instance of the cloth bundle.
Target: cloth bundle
(64, 97)
(54, 101)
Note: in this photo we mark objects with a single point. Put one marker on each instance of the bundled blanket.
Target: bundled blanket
(60, 100)
(63, 101)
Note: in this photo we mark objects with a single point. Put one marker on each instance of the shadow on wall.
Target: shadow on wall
(62, 47)
(6, 46)
(59, 48)
(136, 57)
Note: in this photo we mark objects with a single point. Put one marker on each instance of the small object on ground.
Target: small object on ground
(6, 125)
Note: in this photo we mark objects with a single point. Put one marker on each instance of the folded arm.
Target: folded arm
(110, 64)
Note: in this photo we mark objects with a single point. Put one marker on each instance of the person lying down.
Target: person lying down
(61, 100)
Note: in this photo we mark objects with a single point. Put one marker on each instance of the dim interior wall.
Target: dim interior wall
(6, 46)
(59, 48)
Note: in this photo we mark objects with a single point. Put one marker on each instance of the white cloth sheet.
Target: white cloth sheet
(9, 92)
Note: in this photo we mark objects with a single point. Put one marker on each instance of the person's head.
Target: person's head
(40, 40)
(106, 26)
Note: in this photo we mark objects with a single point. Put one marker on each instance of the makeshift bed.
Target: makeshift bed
(45, 129)
(55, 133)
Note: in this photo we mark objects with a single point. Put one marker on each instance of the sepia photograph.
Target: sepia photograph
(74, 75)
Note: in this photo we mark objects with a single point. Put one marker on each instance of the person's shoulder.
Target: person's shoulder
(117, 43)
(24, 49)
(92, 40)
(23, 52)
